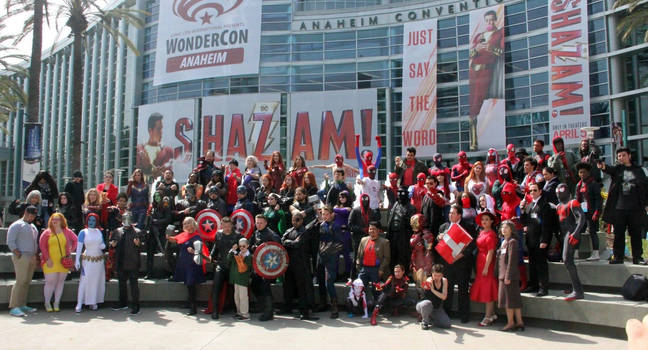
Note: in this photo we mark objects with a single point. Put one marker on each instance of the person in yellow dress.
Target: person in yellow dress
(56, 242)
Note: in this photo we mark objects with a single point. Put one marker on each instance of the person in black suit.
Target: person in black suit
(538, 219)
(459, 272)
(551, 182)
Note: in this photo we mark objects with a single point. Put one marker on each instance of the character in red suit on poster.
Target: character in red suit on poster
(486, 65)
(422, 245)
(461, 170)
(152, 157)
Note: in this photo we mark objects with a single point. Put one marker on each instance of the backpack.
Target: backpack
(635, 288)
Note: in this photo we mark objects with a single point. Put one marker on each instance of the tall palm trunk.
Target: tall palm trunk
(78, 24)
(33, 90)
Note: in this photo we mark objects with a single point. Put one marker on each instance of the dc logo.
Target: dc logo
(203, 10)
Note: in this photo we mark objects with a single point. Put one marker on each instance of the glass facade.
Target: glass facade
(295, 59)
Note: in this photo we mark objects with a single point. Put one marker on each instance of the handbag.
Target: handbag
(66, 260)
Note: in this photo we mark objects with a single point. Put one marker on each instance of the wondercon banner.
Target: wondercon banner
(486, 76)
(323, 124)
(200, 39)
(419, 86)
(569, 84)
(164, 138)
(237, 126)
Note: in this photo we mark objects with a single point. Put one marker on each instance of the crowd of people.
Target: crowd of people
(538, 205)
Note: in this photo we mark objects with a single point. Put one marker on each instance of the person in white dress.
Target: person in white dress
(90, 262)
(476, 181)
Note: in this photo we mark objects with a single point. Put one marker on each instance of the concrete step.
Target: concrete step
(600, 309)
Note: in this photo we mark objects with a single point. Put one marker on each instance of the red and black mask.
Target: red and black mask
(368, 157)
(393, 179)
(364, 200)
(563, 193)
(504, 173)
(420, 179)
(462, 157)
(510, 151)
(492, 156)
(339, 160)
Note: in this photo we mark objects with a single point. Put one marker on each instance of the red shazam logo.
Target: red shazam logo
(190, 9)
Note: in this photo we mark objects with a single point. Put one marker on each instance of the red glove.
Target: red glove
(573, 241)
(378, 141)
(399, 290)
(379, 286)
(596, 215)
(357, 137)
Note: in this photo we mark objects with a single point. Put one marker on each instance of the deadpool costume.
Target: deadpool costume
(572, 221)
(492, 162)
(399, 230)
(422, 244)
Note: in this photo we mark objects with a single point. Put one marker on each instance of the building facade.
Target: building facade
(323, 45)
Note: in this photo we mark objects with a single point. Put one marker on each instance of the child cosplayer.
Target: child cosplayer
(393, 293)
(240, 270)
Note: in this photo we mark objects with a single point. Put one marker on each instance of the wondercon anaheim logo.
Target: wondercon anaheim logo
(203, 10)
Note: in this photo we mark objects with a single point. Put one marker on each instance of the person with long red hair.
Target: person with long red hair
(287, 189)
(297, 170)
(476, 181)
(56, 243)
(276, 169)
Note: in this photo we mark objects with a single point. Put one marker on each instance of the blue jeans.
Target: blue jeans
(369, 274)
(139, 216)
(330, 265)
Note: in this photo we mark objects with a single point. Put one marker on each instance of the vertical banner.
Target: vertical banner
(199, 39)
(164, 138)
(323, 124)
(237, 126)
(486, 75)
(420, 86)
(32, 152)
(569, 63)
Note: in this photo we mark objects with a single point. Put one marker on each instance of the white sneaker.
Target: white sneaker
(78, 308)
(594, 257)
(576, 255)
(94, 307)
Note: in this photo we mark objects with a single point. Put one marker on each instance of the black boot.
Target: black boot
(322, 304)
(214, 314)
(334, 309)
(306, 316)
(267, 309)
(192, 309)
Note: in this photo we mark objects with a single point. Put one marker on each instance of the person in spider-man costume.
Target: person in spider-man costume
(572, 220)
(492, 161)
(461, 170)
(366, 159)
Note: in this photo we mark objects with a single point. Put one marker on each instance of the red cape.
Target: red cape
(185, 236)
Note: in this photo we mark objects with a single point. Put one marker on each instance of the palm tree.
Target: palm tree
(12, 95)
(78, 14)
(634, 20)
(34, 25)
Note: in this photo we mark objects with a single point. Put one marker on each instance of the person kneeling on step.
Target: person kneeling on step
(393, 293)
(435, 292)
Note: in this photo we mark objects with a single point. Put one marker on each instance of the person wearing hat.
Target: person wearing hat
(77, 194)
(373, 257)
(484, 289)
(215, 202)
(22, 240)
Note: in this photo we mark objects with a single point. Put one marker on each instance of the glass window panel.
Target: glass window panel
(447, 127)
(515, 8)
(446, 43)
(340, 86)
(372, 33)
(276, 39)
(463, 40)
(518, 131)
(463, 19)
(516, 120)
(340, 36)
(275, 26)
(339, 54)
(447, 57)
(306, 87)
(307, 56)
(539, 62)
(447, 33)
(540, 89)
(515, 45)
(537, 24)
(446, 23)
(600, 107)
(396, 30)
(515, 19)
(538, 51)
(308, 47)
(274, 48)
(340, 77)
(364, 43)
(372, 65)
(539, 78)
(540, 129)
(275, 58)
(380, 51)
(307, 79)
(538, 39)
(275, 70)
(337, 45)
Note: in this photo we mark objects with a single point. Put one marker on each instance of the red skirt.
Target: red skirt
(484, 290)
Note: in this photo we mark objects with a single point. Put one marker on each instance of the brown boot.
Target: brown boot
(334, 309)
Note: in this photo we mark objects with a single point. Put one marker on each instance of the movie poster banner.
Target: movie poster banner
(323, 124)
(199, 39)
(237, 126)
(164, 138)
(32, 152)
(569, 63)
(419, 86)
(486, 79)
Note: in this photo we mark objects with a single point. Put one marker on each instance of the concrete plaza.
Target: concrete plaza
(169, 328)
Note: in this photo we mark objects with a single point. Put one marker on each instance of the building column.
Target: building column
(615, 68)
(85, 130)
(62, 111)
(54, 113)
(109, 117)
(92, 113)
(99, 135)
(46, 113)
(118, 130)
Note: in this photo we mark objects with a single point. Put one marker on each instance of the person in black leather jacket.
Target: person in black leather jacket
(159, 216)
(215, 202)
(298, 281)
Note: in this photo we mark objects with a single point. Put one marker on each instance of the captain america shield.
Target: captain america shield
(209, 221)
(243, 222)
(270, 260)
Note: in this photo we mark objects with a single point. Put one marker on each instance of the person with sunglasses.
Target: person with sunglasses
(538, 220)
